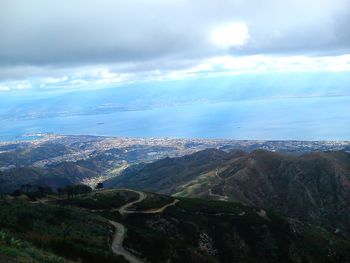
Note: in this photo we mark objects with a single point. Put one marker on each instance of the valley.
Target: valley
(93, 159)
(167, 200)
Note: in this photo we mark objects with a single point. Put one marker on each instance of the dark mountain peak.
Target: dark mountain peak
(266, 154)
(340, 156)
(211, 153)
(237, 153)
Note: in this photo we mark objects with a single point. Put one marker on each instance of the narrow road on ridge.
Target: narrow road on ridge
(120, 230)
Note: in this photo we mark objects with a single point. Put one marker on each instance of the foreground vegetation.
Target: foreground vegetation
(193, 230)
(69, 232)
(15, 250)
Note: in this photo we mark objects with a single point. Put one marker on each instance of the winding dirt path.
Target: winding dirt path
(117, 243)
(124, 209)
(119, 236)
(156, 210)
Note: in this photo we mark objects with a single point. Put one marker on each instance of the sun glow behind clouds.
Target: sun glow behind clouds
(230, 35)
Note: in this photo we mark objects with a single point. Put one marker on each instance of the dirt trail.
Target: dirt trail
(119, 236)
(124, 209)
(156, 210)
(117, 243)
(210, 191)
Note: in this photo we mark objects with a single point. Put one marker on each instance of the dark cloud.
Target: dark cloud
(81, 32)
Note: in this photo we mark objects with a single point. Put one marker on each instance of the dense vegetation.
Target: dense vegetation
(15, 250)
(196, 230)
(76, 228)
(71, 233)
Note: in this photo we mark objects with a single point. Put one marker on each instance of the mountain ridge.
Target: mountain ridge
(314, 187)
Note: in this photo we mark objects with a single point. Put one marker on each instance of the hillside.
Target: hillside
(106, 226)
(314, 187)
(167, 175)
(24, 155)
(57, 176)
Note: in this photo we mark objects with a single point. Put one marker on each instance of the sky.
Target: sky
(86, 44)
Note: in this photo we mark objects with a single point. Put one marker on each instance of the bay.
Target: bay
(315, 118)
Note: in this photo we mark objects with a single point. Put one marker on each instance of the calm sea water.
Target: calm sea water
(278, 119)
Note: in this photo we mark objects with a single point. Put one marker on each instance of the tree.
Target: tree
(99, 186)
(73, 190)
(26, 188)
(44, 190)
(60, 191)
(17, 192)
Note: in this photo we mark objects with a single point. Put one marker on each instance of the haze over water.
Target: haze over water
(276, 119)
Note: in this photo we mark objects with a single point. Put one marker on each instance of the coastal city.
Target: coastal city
(73, 148)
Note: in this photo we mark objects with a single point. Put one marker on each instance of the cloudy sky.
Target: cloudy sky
(83, 44)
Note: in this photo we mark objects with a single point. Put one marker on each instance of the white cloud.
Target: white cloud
(15, 85)
(261, 63)
(234, 34)
(112, 75)
(4, 88)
